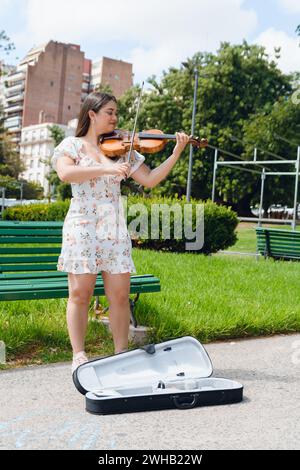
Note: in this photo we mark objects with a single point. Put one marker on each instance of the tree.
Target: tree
(6, 44)
(57, 134)
(234, 84)
(277, 130)
(103, 88)
(10, 163)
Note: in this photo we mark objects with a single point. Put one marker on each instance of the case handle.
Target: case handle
(184, 405)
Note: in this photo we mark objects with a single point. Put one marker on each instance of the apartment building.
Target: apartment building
(47, 86)
(5, 70)
(52, 81)
(115, 73)
(36, 150)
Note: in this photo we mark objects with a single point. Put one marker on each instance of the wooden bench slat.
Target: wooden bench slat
(50, 240)
(46, 232)
(32, 275)
(27, 267)
(30, 250)
(27, 259)
(26, 284)
(63, 293)
(49, 274)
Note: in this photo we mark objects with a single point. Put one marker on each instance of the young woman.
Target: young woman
(90, 244)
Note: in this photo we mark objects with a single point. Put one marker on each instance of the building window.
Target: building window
(69, 107)
(31, 163)
(51, 83)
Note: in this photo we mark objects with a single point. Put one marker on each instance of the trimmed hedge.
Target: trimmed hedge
(55, 211)
(219, 222)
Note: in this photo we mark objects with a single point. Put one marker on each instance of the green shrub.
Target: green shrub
(64, 191)
(219, 222)
(55, 211)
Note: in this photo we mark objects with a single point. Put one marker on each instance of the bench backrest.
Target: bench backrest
(44, 245)
(278, 243)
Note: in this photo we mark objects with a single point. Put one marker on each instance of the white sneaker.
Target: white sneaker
(78, 359)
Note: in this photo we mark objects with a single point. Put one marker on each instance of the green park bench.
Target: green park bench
(278, 243)
(28, 259)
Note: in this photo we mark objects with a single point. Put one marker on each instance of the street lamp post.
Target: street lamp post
(189, 179)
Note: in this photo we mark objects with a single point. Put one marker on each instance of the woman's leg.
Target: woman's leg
(117, 289)
(81, 289)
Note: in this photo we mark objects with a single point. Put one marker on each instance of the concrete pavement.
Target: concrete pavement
(41, 409)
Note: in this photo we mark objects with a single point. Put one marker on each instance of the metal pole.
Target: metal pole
(189, 180)
(263, 177)
(3, 201)
(21, 193)
(214, 176)
(296, 189)
(255, 154)
(258, 162)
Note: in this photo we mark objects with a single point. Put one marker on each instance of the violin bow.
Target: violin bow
(135, 123)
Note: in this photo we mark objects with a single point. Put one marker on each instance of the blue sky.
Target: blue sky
(271, 13)
(153, 36)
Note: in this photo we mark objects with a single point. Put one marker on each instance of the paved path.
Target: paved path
(41, 409)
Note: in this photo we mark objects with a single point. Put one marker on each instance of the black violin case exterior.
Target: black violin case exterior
(173, 374)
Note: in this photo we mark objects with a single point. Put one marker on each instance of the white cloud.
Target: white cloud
(292, 6)
(162, 33)
(3, 5)
(290, 50)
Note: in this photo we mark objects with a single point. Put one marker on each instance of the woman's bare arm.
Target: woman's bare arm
(68, 172)
(150, 178)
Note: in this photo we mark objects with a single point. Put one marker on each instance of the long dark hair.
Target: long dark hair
(93, 102)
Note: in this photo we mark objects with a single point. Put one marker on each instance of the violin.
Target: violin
(119, 142)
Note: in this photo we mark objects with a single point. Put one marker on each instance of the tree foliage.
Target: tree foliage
(235, 84)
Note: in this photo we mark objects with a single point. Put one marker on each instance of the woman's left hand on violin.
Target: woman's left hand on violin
(182, 140)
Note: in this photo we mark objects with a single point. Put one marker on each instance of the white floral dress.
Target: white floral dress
(95, 234)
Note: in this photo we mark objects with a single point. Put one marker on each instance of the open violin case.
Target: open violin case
(173, 374)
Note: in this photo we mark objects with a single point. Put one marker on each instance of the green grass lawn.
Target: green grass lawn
(211, 298)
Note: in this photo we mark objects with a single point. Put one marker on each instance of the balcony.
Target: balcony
(13, 109)
(13, 124)
(11, 90)
(85, 86)
(15, 77)
(15, 98)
